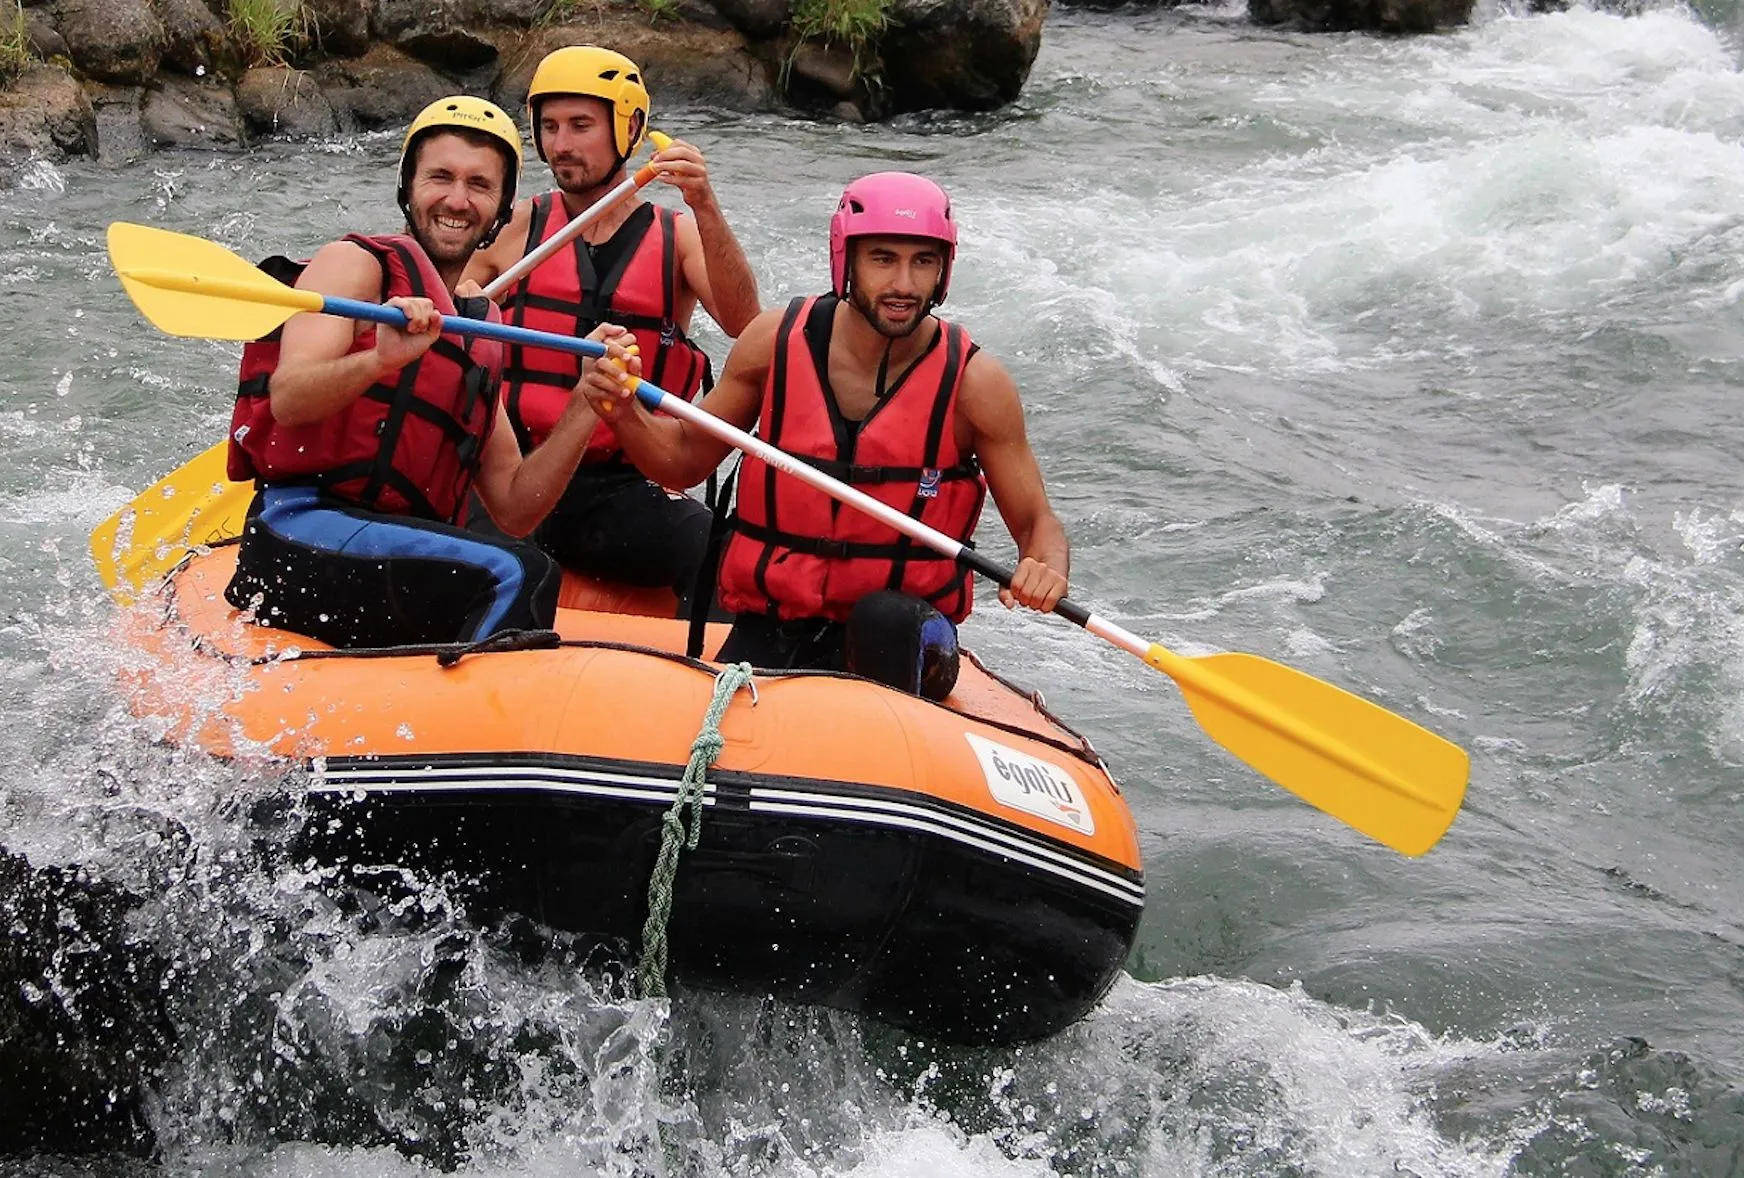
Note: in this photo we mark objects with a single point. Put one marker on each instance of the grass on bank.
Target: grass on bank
(564, 12)
(854, 25)
(14, 45)
(266, 30)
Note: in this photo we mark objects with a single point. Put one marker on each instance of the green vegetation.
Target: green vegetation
(659, 10)
(854, 25)
(14, 45)
(264, 30)
(563, 12)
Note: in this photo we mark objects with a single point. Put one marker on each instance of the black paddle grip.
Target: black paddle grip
(970, 559)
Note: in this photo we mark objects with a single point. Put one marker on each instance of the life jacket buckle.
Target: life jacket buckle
(468, 450)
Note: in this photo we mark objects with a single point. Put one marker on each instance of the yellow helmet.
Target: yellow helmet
(592, 72)
(464, 112)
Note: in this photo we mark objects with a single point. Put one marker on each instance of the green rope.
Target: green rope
(673, 836)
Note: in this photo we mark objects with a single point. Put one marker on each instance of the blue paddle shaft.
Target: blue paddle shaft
(651, 395)
(461, 325)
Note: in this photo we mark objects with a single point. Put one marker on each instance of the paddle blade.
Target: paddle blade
(223, 296)
(195, 504)
(1395, 781)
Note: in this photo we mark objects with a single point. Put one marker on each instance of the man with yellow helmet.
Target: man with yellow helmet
(640, 266)
(366, 442)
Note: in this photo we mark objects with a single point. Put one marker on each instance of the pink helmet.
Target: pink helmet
(894, 204)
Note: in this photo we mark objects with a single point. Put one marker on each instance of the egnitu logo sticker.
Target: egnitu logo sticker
(1028, 783)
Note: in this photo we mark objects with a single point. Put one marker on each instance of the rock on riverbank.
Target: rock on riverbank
(117, 77)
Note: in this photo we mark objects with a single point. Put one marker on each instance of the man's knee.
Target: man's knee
(902, 641)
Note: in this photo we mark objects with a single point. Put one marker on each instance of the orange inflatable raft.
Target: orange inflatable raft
(966, 870)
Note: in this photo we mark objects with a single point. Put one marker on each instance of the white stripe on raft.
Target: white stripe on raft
(765, 799)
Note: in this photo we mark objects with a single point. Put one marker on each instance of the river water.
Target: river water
(1412, 363)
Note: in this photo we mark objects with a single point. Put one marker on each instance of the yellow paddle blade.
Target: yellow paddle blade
(195, 504)
(1376, 771)
(193, 287)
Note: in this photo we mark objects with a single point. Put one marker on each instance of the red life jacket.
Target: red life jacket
(639, 291)
(410, 444)
(797, 553)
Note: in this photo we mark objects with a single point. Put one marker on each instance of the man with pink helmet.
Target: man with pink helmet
(868, 385)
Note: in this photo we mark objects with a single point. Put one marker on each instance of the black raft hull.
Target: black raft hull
(921, 913)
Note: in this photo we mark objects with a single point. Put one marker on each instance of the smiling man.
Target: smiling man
(640, 266)
(868, 385)
(365, 442)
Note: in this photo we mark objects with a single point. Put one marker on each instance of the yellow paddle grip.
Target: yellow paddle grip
(659, 141)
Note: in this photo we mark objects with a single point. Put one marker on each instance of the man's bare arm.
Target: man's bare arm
(675, 453)
(993, 411)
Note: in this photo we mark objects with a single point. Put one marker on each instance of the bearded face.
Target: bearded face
(576, 135)
(456, 193)
(892, 281)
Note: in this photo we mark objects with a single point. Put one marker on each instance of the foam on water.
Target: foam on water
(322, 1037)
(1684, 590)
(1372, 214)
(39, 175)
(1525, 167)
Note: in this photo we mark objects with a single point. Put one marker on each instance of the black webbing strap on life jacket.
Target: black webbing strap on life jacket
(955, 361)
(834, 549)
(284, 270)
(403, 402)
(777, 413)
(861, 476)
(382, 469)
(670, 336)
(702, 591)
(479, 384)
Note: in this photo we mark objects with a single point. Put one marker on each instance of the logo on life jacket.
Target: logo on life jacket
(929, 483)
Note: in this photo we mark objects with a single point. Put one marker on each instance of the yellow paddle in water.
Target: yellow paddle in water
(194, 505)
(1393, 780)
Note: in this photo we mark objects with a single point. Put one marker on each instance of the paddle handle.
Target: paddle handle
(571, 231)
